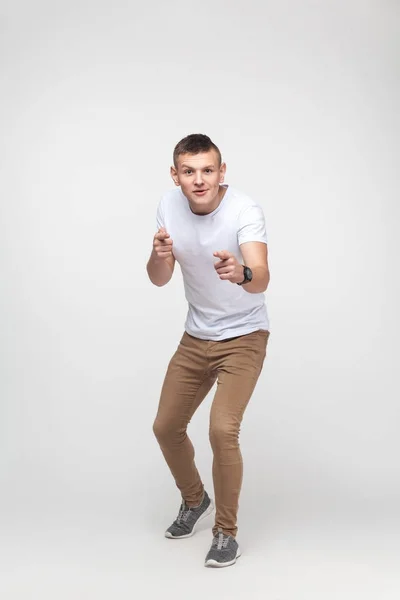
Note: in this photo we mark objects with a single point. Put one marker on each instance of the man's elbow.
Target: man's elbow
(268, 277)
(159, 282)
(264, 283)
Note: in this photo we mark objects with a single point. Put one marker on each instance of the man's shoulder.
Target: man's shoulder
(241, 199)
(172, 196)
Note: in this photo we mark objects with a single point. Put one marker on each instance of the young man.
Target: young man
(218, 237)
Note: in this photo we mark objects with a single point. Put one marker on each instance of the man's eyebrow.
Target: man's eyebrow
(189, 167)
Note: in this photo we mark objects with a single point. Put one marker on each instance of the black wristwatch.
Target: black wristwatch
(248, 275)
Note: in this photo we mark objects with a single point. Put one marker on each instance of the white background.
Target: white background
(302, 98)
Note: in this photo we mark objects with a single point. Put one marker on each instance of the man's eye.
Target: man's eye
(188, 172)
(208, 170)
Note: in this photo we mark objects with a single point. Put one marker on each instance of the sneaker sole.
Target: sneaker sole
(205, 514)
(215, 563)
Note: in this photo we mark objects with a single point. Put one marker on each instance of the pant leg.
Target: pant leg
(238, 363)
(186, 384)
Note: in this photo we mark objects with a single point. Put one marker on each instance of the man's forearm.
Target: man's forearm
(159, 270)
(260, 281)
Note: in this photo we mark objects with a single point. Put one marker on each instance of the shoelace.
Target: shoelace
(221, 540)
(183, 513)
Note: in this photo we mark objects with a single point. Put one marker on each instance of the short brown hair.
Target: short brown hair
(194, 144)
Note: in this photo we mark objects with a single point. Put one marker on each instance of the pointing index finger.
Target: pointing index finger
(222, 254)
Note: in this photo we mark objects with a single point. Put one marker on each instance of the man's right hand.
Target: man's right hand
(162, 244)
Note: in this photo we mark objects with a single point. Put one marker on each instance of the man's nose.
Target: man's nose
(199, 178)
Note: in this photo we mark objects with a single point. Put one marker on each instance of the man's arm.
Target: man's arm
(161, 264)
(255, 256)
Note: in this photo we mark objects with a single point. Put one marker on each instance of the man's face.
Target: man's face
(199, 176)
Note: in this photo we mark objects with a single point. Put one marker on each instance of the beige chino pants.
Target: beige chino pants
(235, 364)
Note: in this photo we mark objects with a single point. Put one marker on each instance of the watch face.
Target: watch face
(248, 273)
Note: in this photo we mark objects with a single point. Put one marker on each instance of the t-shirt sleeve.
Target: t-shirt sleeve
(252, 225)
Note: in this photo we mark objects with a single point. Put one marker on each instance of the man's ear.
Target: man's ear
(222, 171)
(174, 175)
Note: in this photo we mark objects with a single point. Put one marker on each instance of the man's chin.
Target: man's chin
(201, 197)
(199, 207)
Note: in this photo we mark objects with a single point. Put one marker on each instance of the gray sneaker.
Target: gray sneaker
(186, 522)
(223, 552)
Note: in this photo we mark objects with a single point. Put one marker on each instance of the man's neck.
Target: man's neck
(221, 193)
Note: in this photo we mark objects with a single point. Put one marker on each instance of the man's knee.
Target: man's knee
(168, 430)
(223, 436)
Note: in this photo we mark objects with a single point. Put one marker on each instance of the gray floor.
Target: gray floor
(288, 559)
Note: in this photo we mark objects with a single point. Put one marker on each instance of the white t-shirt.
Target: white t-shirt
(217, 309)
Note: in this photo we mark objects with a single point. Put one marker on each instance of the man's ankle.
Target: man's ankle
(197, 505)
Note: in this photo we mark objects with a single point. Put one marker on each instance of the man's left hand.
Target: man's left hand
(228, 267)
